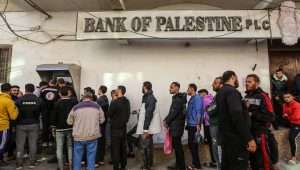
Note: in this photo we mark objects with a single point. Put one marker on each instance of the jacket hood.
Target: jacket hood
(284, 78)
(5, 95)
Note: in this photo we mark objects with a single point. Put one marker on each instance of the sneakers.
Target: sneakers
(19, 166)
(292, 162)
(33, 165)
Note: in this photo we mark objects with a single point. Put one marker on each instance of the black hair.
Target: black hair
(219, 78)
(112, 92)
(29, 88)
(43, 83)
(147, 85)
(227, 75)
(279, 70)
(103, 89)
(203, 91)
(89, 89)
(61, 81)
(122, 88)
(64, 91)
(288, 92)
(5, 87)
(255, 77)
(53, 81)
(15, 86)
(193, 86)
(175, 83)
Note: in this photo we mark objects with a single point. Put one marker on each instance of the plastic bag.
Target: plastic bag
(168, 142)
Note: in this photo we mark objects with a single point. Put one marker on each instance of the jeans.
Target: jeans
(193, 146)
(294, 136)
(119, 149)
(177, 146)
(91, 148)
(215, 145)
(4, 136)
(61, 136)
(32, 133)
(147, 146)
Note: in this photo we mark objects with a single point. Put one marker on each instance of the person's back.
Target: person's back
(8, 111)
(119, 114)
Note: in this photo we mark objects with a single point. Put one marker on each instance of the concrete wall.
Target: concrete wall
(109, 63)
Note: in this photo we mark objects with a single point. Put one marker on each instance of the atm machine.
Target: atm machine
(69, 72)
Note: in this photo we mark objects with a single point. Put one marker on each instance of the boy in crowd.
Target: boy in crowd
(30, 108)
(194, 118)
(291, 112)
(86, 118)
(60, 129)
(8, 112)
(259, 107)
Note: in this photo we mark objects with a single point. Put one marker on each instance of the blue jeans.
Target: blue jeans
(91, 149)
(61, 136)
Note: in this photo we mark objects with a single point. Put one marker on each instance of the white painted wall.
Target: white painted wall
(112, 64)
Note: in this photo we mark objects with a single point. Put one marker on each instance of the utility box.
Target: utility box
(69, 72)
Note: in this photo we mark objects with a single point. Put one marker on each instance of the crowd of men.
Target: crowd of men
(238, 130)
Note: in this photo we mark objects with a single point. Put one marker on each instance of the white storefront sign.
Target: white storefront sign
(177, 24)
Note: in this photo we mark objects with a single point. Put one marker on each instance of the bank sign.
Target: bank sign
(177, 24)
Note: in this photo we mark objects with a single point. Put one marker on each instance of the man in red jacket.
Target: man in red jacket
(291, 111)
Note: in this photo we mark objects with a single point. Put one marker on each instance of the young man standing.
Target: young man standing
(291, 112)
(30, 108)
(259, 107)
(86, 118)
(234, 125)
(104, 103)
(214, 122)
(175, 121)
(119, 112)
(60, 129)
(149, 106)
(195, 113)
(8, 112)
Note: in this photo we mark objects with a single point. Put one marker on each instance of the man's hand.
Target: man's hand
(285, 116)
(251, 146)
(146, 135)
(198, 128)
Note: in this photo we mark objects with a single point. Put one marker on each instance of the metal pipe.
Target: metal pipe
(38, 8)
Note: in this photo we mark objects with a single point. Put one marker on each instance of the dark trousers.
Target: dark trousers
(119, 149)
(294, 136)
(46, 133)
(193, 146)
(101, 144)
(177, 146)
(4, 137)
(261, 159)
(11, 146)
(234, 156)
(147, 145)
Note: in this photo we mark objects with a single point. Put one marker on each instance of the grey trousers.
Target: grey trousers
(27, 131)
(147, 146)
(215, 145)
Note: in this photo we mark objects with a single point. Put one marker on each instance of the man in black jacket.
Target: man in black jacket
(175, 121)
(119, 112)
(261, 113)
(30, 108)
(234, 125)
(60, 129)
(104, 103)
(147, 139)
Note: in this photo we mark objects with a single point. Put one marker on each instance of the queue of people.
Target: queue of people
(237, 129)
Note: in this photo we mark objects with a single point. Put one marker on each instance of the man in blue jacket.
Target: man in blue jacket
(195, 113)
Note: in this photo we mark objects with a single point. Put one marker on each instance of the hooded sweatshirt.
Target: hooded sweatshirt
(8, 111)
(279, 86)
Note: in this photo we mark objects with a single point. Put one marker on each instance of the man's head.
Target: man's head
(252, 82)
(147, 86)
(5, 88)
(192, 89)
(121, 90)
(61, 82)
(279, 73)
(217, 84)
(203, 92)
(102, 90)
(29, 88)
(43, 84)
(174, 88)
(288, 97)
(113, 95)
(64, 91)
(52, 83)
(229, 77)
(14, 90)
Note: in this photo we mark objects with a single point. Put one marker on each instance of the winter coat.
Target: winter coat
(8, 111)
(155, 124)
(49, 96)
(212, 113)
(207, 100)
(261, 116)
(292, 111)
(149, 102)
(234, 121)
(176, 117)
(279, 87)
(195, 111)
(104, 103)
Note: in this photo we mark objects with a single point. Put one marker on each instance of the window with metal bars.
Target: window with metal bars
(5, 61)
